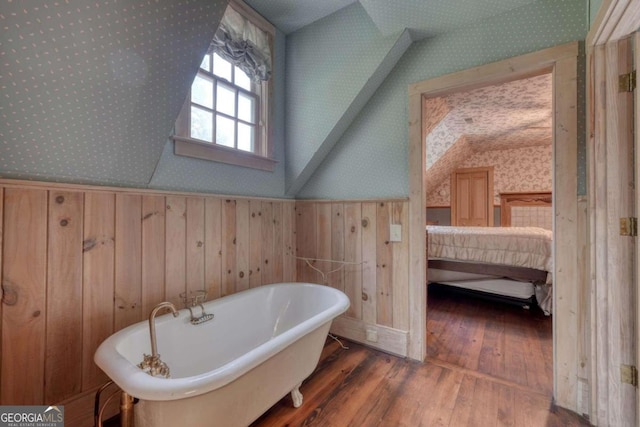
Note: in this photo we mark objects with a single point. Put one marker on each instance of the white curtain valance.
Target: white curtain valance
(243, 44)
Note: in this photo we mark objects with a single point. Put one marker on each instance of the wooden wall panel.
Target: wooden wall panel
(24, 285)
(267, 229)
(287, 228)
(228, 281)
(305, 240)
(111, 255)
(376, 274)
(153, 251)
(97, 281)
(323, 242)
(353, 253)
(369, 249)
(384, 267)
(336, 279)
(213, 247)
(128, 260)
(242, 245)
(63, 364)
(257, 243)
(195, 244)
(400, 274)
(176, 240)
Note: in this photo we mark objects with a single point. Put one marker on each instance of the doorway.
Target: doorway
(561, 61)
(476, 322)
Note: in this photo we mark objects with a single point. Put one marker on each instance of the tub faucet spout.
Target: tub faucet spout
(152, 363)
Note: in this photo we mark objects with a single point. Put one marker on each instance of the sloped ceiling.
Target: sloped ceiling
(499, 117)
(423, 17)
(90, 89)
(291, 15)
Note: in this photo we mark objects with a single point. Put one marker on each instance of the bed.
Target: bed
(512, 263)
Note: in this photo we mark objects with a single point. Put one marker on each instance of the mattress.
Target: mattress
(505, 287)
(529, 247)
(439, 276)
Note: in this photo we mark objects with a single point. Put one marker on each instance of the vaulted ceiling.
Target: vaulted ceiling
(424, 18)
(510, 115)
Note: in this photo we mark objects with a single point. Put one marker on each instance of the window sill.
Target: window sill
(201, 150)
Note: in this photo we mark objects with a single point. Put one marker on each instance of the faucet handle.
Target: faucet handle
(184, 298)
(193, 298)
(200, 296)
(187, 299)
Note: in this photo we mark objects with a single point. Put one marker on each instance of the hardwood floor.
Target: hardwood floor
(489, 365)
(497, 339)
(485, 368)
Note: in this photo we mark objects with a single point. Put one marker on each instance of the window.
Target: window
(225, 117)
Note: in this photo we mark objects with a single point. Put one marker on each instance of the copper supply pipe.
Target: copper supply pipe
(126, 410)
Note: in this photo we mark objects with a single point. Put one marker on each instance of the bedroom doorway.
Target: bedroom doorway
(488, 322)
(561, 62)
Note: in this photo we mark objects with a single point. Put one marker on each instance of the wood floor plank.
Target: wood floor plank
(364, 387)
(462, 410)
(496, 339)
(488, 377)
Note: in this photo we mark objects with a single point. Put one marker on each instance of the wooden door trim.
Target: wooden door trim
(562, 62)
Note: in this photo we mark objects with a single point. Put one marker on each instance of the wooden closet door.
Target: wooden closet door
(472, 197)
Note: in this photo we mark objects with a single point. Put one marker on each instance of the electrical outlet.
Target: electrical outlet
(395, 233)
(372, 335)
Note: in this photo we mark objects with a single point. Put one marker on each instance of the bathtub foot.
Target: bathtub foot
(296, 396)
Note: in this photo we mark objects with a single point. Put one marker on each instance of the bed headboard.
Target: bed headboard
(526, 210)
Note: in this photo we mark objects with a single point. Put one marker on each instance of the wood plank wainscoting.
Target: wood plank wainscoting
(80, 262)
(378, 283)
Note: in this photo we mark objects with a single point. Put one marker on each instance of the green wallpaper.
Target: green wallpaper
(328, 64)
(370, 160)
(594, 6)
(90, 89)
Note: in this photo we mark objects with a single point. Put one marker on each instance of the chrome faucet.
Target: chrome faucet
(193, 299)
(152, 363)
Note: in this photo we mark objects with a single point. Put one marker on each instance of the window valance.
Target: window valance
(243, 44)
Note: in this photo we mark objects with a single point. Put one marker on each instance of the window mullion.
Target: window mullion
(215, 109)
(235, 119)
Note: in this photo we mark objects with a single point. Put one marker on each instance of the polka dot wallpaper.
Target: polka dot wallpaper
(370, 160)
(431, 18)
(90, 89)
(89, 92)
(328, 64)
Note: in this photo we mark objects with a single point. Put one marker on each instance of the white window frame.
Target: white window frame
(262, 156)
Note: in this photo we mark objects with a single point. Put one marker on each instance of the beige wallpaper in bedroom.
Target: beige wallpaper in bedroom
(515, 170)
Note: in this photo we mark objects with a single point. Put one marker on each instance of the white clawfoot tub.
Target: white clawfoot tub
(261, 344)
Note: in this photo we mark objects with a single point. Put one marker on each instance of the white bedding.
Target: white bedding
(529, 247)
(516, 246)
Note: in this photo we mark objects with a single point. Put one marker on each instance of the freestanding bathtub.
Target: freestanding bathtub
(260, 345)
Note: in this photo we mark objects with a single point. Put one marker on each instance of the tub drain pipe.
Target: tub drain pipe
(126, 407)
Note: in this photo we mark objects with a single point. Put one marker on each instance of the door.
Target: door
(615, 248)
(472, 197)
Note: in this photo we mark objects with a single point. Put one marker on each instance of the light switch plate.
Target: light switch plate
(395, 233)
